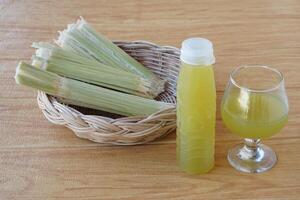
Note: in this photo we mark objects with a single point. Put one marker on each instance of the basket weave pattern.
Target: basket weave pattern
(164, 62)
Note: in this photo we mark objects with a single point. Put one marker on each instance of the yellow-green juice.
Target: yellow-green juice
(196, 108)
(254, 115)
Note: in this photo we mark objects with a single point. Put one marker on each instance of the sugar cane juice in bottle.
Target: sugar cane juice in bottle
(196, 107)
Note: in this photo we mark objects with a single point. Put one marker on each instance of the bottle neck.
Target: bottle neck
(198, 61)
(199, 65)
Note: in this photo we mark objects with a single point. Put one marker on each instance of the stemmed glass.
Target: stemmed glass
(254, 107)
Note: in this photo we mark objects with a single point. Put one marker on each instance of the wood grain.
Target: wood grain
(39, 160)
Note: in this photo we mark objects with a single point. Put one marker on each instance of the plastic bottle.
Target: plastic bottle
(196, 107)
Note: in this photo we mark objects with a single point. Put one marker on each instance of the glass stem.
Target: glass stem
(251, 150)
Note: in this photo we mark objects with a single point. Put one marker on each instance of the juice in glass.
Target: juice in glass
(264, 118)
(254, 106)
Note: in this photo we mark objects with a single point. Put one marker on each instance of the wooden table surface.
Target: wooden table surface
(39, 160)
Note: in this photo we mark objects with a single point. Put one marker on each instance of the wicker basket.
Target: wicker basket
(105, 128)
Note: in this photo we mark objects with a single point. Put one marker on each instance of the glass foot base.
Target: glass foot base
(252, 159)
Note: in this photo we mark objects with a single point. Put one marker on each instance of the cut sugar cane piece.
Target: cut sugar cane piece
(89, 95)
(80, 37)
(72, 65)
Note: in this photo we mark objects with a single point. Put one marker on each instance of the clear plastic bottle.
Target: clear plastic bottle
(196, 107)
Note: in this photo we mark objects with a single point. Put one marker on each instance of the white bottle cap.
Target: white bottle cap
(197, 51)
